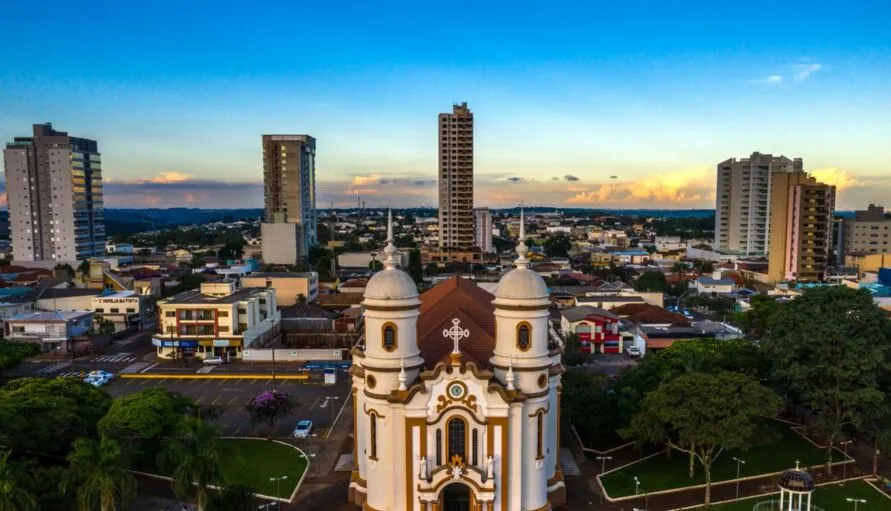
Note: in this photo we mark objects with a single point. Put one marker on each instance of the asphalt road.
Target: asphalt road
(319, 403)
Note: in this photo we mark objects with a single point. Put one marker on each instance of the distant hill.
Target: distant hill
(119, 222)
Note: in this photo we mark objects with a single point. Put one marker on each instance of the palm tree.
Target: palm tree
(193, 454)
(13, 495)
(101, 474)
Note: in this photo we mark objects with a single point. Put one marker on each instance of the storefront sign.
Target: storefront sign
(220, 343)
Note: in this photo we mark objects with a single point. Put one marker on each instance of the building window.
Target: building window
(539, 444)
(131, 310)
(100, 310)
(242, 311)
(170, 314)
(389, 337)
(224, 328)
(524, 336)
(438, 447)
(223, 314)
(475, 448)
(457, 438)
(373, 432)
(114, 310)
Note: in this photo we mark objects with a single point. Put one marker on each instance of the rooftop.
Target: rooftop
(196, 297)
(282, 275)
(583, 311)
(48, 317)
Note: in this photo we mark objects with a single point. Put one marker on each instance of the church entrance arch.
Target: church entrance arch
(456, 497)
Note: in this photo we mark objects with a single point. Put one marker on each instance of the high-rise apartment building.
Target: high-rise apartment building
(456, 178)
(869, 232)
(482, 233)
(289, 176)
(54, 188)
(801, 228)
(742, 209)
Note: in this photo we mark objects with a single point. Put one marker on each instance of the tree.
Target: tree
(704, 266)
(703, 415)
(415, 267)
(231, 250)
(558, 245)
(301, 298)
(571, 355)
(14, 353)
(100, 475)
(583, 392)
(652, 281)
(66, 268)
(45, 416)
(755, 321)
(269, 407)
(192, 456)
(83, 268)
(828, 348)
(375, 265)
(141, 421)
(322, 266)
(14, 495)
(103, 327)
(431, 269)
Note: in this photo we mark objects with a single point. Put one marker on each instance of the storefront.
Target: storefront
(175, 348)
(229, 349)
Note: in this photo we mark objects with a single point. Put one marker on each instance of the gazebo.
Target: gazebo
(796, 490)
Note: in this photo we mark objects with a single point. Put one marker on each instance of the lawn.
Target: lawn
(660, 473)
(829, 498)
(253, 462)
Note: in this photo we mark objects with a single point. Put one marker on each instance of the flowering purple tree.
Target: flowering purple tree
(269, 407)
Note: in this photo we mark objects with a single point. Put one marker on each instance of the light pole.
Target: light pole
(267, 506)
(636, 485)
(738, 462)
(846, 443)
(856, 501)
(278, 484)
(603, 459)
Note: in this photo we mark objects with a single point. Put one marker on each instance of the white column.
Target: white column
(782, 494)
(809, 501)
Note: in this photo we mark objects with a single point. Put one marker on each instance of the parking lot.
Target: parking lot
(320, 403)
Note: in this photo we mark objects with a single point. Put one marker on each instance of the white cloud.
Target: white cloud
(771, 79)
(804, 71)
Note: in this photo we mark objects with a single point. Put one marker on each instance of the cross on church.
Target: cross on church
(456, 333)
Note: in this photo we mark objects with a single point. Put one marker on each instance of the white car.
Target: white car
(97, 381)
(632, 351)
(214, 361)
(303, 429)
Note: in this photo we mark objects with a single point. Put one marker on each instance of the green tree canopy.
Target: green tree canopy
(703, 415)
(558, 245)
(100, 475)
(756, 321)
(828, 349)
(14, 482)
(46, 415)
(142, 419)
(584, 392)
(192, 457)
(652, 281)
(415, 267)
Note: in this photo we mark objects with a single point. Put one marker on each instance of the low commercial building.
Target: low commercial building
(126, 310)
(715, 284)
(866, 262)
(56, 332)
(219, 319)
(289, 287)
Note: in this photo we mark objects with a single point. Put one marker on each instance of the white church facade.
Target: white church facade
(456, 396)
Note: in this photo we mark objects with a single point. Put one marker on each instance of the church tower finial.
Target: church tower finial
(509, 377)
(391, 251)
(403, 378)
(522, 249)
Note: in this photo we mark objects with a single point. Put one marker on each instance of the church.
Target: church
(456, 395)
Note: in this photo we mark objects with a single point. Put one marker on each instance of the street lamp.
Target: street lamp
(278, 484)
(846, 443)
(738, 462)
(856, 501)
(603, 459)
(267, 506)
(636, 485)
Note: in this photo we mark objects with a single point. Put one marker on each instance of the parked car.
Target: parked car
(98, 380)
(214, 361)
(303, 429)
(632, 351)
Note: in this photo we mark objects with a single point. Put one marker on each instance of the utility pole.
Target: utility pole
(738, 462)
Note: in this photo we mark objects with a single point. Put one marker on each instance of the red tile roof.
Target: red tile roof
(456, 298)
(647, 314)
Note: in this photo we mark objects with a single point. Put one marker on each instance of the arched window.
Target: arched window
(438, 447)
(457, 438)
(475, 448)
(524, 336)
(389, 337)
(373, 433)
(539, 445)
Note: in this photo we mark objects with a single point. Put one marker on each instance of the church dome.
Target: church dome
(521, 284)
(391, 284)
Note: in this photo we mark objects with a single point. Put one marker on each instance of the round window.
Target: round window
(542, 381)
(370, 381)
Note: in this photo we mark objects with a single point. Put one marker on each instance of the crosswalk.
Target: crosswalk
(118, 358)
(204, 370)
(53, 368)
(135, 367)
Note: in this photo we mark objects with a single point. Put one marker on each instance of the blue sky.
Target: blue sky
(565, 95)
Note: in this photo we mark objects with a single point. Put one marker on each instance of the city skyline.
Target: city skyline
(656, 100)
